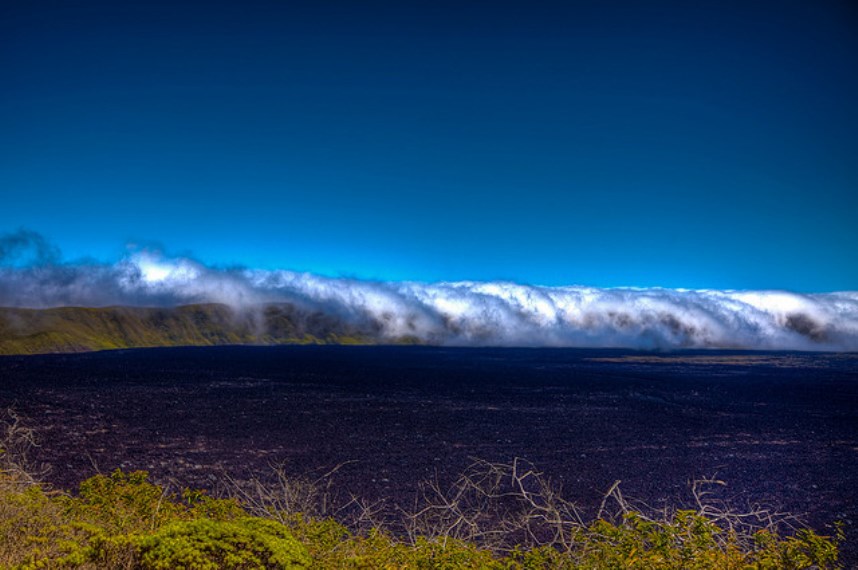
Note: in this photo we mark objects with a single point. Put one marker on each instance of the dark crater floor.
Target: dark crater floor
(780, 428)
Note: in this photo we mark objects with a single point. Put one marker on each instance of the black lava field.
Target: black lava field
(780, 428)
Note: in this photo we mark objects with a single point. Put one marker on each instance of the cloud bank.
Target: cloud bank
(451, 313)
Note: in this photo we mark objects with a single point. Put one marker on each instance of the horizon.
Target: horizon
(25, 250)
(34, 274)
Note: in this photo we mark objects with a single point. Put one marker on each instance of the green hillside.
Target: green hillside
(81, 329)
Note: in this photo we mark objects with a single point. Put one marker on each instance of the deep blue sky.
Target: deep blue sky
(685, 144)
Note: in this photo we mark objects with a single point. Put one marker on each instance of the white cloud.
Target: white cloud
(463, 313)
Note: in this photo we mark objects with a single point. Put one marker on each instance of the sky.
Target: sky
(606, 144)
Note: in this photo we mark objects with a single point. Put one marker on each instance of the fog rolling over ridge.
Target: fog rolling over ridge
(447, 313)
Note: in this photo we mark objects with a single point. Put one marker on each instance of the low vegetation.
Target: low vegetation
(495, 515)
(82, 329)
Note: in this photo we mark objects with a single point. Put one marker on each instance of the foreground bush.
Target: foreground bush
(495, 515)
(248, 542)
(125, 521)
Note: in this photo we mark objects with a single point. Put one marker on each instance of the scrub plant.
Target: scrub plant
(494, 515)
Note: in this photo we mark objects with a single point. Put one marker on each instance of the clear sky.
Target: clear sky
(675, 144)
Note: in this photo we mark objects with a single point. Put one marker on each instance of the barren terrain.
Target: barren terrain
(780, 428)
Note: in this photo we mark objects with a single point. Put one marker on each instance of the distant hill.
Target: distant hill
(81, 329)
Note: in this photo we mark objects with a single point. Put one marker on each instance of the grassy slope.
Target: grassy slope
(79, 329)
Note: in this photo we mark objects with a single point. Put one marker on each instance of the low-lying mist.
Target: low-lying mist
(452, 313)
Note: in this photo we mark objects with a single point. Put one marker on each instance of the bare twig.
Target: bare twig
(497, 505)
(17, 442)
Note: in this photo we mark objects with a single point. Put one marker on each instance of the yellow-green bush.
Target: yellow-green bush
(206, 544)
(123, 520)
(30, 524)
(124, 503)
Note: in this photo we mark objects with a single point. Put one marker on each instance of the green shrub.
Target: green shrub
(123, 520)
(206, 544)
(125, 502)
(30, 524)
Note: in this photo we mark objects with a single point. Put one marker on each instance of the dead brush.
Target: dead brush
(499, 506)
(18, 441)
(509, 506)
(286, 497)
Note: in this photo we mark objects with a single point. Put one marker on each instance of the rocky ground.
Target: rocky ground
(780, 428)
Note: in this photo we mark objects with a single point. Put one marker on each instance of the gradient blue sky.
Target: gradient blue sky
(676, 144)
